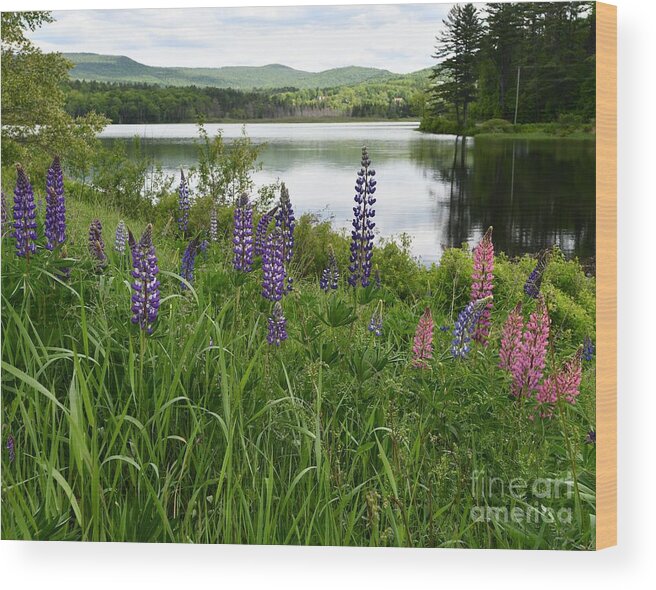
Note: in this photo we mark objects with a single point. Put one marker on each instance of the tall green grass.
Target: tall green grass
(203, 433)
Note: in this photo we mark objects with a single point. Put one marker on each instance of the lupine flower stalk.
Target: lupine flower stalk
(24, 215)
(55, 225)
(96, 243)
(183, 205)
(588, 349)
(482, 285)
(214, 225)
(146, 296)
(243, 235)
(465, 325)
(262, 230)
(330, 275)
(121, 237)
(528, 366)
(273, 267)
(534, 281)
(362, 235)
(286, 222)
(277, 326)
(564, 385)
(422, 348)
(511, 338)
(189, 262)
(11, 448)
(376, 321)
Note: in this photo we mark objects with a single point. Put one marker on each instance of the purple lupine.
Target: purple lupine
(591, 437)
(55, 225)
(214, 225)
(529, 361)
(330, 275)
(243, 235)
(422, 347)
(534, 281)
(262, 230)
(588, 349)
(24, 215)
(189, 262)
(362, 235)
(11, 448)
(145, 299)
(482, 286)
(277, 326)
(121, 237)
(273, 267)
(376, 321)
(286, 222)
(96, 243)
(465, 325)
(183, 205)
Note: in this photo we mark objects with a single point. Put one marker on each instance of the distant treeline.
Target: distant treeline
(144, 103)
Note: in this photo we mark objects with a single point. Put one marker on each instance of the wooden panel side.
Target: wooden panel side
(606, 186)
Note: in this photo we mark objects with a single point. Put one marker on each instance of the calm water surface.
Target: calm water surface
(534, 192)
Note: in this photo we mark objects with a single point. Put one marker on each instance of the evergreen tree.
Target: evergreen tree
(457, 49)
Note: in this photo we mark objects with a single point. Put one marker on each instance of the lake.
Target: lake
(535, 192)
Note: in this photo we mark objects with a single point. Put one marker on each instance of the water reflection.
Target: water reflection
(440, 190)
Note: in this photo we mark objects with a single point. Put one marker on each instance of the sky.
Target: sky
(399, 38)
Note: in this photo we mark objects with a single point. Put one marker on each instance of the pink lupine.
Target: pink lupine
(422, 348)
(527, 368)
(564, 385)
(511, 338)
(482, 286)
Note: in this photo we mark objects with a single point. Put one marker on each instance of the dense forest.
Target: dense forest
(529, 62)
(147, 103)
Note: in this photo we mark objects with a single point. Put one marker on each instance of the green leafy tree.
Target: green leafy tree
(34, 121)
(457, 48)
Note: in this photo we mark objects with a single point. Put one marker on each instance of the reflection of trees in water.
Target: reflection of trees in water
(535, 193)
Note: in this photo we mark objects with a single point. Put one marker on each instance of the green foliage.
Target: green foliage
(34, 123)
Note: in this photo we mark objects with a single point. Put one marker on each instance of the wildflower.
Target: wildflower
(362, 235)
(262, 230)
(465, 325)
(376, 321)
(214, 225)
(285, 220)
(482, 286)
(183, 205)
(203, 246)
(511, 338)
(444, 328)
(24, 215)
(377, 280)
(591, 438)
(534, 281)
(273, 269)
(121, 237)
(145, 299)
(188, 262)
(564, 385)
(243, 235)
(55, 225)
(277, 325)
(588, 349)
(96, 243)
(422, 348)
(11, 448)
(528, 364)
(330, 274)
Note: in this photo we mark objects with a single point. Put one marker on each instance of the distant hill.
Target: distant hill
(118, 68)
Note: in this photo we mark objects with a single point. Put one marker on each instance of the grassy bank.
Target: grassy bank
(202, 432)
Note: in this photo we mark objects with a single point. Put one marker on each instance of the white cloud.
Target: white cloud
(399, 38)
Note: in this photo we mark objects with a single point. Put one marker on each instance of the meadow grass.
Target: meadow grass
(204, 433)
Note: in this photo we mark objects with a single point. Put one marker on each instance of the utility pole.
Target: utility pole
(519, 70)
